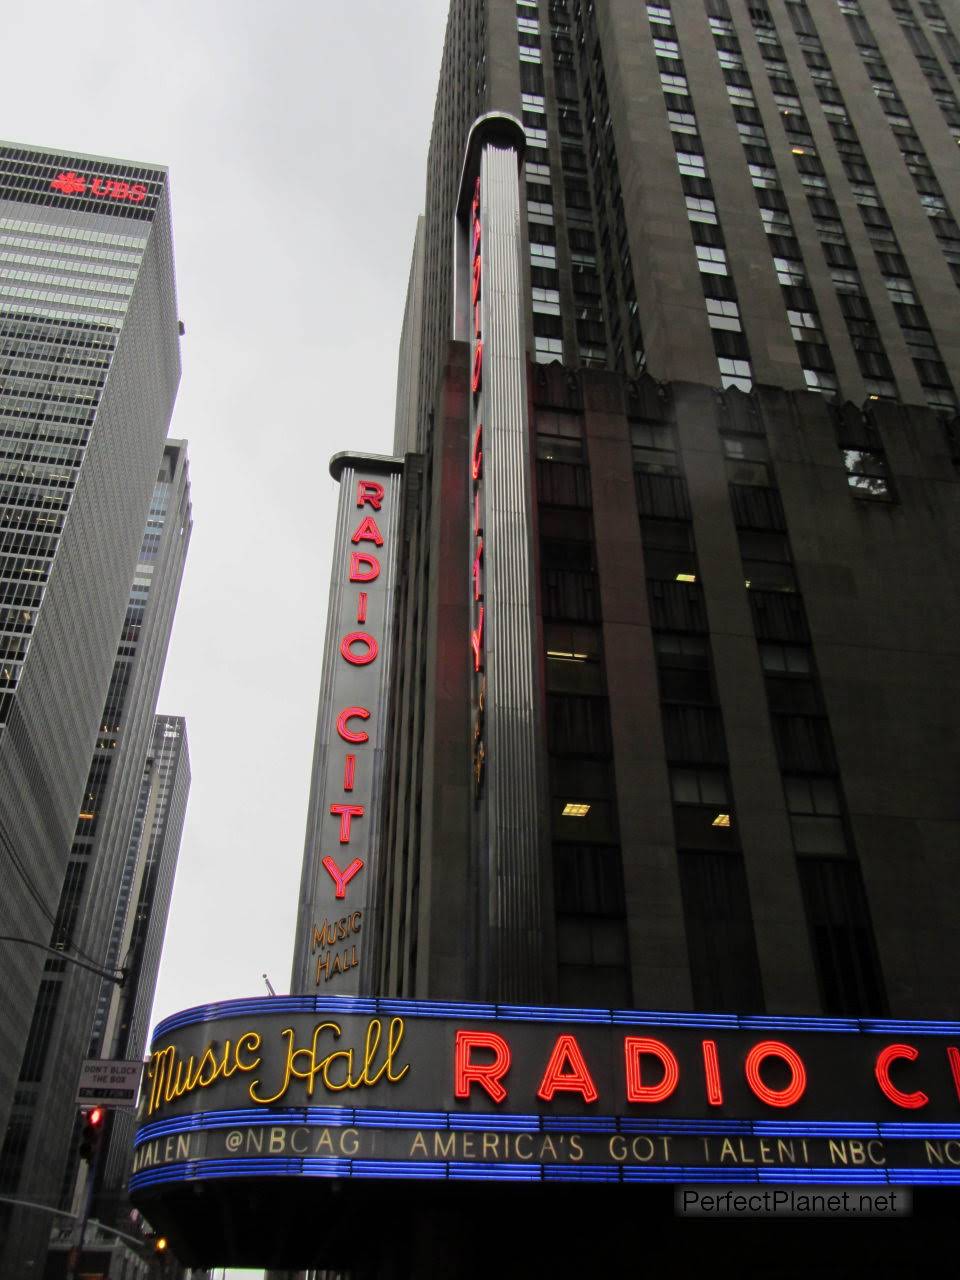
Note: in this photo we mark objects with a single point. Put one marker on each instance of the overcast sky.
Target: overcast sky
(296, 136)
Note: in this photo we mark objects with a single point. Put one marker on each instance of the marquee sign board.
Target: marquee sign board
(364, 1088)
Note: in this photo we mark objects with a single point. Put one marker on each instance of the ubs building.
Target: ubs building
(634, 816)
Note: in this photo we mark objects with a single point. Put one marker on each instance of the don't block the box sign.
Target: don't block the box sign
(345, 1088)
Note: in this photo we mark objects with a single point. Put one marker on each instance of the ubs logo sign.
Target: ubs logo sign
(71, 183)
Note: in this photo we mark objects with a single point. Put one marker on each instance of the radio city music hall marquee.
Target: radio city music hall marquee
(343, 1087)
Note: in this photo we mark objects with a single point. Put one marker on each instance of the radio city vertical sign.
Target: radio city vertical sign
(489, 314)
(343, 822)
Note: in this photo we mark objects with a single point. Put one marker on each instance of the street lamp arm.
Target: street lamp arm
(73, 1217)
(119, 976)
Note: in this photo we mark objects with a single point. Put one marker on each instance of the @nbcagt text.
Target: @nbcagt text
(793, 1202)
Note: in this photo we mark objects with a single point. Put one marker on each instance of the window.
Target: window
(699, 209)
(789, 271)
(548, 349)
(747, 460)
(822, 380)
(735, 373)
(699, 786)
(842, 938)
(559, 436)
(766, 561)
(723, 315)
(815, 814)
(682, 121)
(654, 448)
(900, 289)
(693, 165)
(867, 473)
(776, 222)
(785, 659)
(711, 260)
(716, 907)
(546, 300)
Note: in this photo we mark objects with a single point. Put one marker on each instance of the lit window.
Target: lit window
(572, 810)
(721, 820)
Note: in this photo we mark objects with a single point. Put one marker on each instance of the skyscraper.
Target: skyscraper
(148, 877)
(664, 765)
(89, 365)
(739, 273)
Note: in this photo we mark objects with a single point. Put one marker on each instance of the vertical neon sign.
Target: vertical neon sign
(478, 603)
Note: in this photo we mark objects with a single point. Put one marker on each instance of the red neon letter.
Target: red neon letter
(362, 607)
(485, 1074)
(476, 234)
(352, 713)
(711, 1070)
(369, 492)
(349, 770)
(476, 642)
(776, 1097)
(342, 878)
(475, 290)
(477, 566)
(566, 1053)
(477, 367)
(476, 457)
(347, 812)
(882, 1071)
(359, 637)
(367, 531)
(953, 1057)
(360, 561)
(633, 1048)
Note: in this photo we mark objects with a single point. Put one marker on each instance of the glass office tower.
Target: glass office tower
(89, 366)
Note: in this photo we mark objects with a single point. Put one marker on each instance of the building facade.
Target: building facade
(149, 873)
(89, 367)
(739, 268)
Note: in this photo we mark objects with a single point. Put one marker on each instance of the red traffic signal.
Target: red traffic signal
(92, 1131)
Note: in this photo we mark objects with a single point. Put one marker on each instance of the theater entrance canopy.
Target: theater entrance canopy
(277, 1131)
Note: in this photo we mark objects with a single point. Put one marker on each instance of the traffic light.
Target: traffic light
(92, 1132)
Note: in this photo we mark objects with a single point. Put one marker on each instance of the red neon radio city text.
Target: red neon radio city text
(359, 648)
(651, 1071)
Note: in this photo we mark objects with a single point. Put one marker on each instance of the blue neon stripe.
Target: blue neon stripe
(333, 1167)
